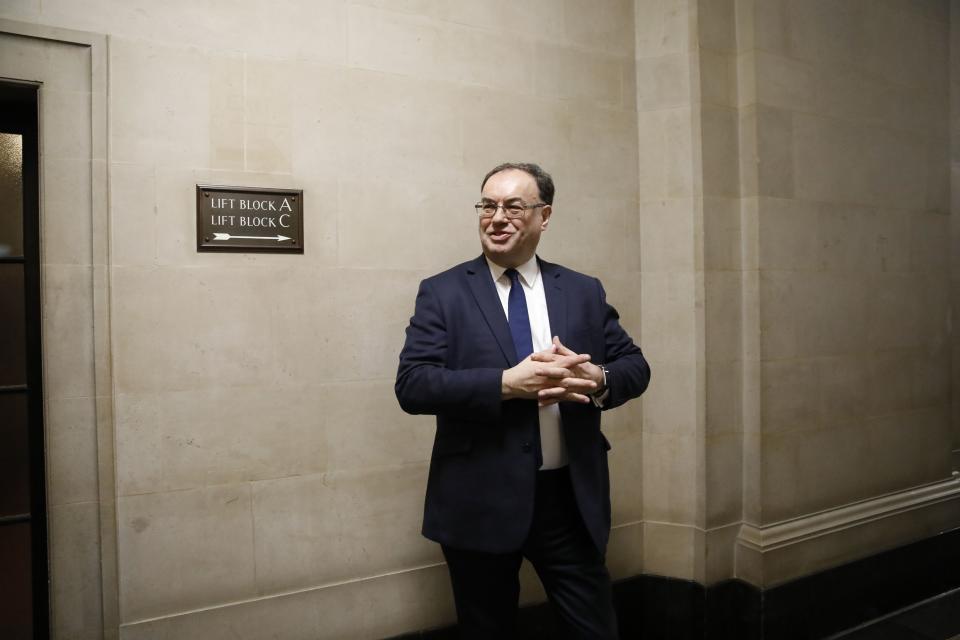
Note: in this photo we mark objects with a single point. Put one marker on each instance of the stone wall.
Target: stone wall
(264, 472)
(847, 192)
(762, 185)
(795, 224)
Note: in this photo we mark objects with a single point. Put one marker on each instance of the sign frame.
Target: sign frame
(206, 243)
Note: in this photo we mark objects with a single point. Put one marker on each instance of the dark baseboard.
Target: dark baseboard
(809, 608)
(825, 603)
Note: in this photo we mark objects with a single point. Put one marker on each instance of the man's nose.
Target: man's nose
(500, 214)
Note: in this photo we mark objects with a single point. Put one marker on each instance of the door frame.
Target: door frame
(98, 613)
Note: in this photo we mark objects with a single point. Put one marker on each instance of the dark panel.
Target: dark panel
(733, 611)
(809, 608)
(16, 615)
(13, 335)
(23, 545)
(14, 455)
(855, 593)
(627, 594)
(672, 608)
(11, 194)
(939, 618)
(889, 630)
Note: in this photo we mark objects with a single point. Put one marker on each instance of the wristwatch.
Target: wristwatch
(600, 395)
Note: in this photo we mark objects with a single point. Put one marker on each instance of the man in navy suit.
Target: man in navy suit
(517, 357)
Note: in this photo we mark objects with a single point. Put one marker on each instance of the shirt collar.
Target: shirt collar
(528, 271)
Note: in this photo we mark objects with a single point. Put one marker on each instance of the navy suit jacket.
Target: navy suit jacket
(483, 468)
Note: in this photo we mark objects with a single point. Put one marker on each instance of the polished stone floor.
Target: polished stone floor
(935, 619)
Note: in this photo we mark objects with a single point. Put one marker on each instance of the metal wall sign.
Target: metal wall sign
(249, 219)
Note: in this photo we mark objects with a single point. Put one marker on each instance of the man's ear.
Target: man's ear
(545, 214)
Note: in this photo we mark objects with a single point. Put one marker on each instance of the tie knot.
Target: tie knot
(514, 275)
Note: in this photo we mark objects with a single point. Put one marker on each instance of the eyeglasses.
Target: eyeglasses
(512, 210)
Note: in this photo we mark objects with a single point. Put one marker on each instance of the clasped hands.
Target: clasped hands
(553, 375)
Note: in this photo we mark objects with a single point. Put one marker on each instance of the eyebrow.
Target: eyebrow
(510, 199)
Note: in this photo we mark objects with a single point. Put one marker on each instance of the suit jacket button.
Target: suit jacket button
(527, 447)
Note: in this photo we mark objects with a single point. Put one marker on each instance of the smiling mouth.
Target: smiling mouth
(499, 237)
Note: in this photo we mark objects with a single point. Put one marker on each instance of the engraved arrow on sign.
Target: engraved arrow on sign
(227, 236)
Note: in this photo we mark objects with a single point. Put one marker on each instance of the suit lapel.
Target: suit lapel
(485, 293)
(556, 299)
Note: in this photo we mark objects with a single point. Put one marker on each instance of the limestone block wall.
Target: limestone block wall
(844, 158)
(726, 269)
(763, 186)
(795, 218)
(693, 273)
(669, 215)
(265, 477)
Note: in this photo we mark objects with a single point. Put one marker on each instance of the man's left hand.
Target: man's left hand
(568, 380)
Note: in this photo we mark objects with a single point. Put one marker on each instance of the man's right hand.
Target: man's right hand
(529, 376)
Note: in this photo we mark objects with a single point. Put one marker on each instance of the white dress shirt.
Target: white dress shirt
(551, 436)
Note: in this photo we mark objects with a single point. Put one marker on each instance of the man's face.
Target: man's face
(509, 242)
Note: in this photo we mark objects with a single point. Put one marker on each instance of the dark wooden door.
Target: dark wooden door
(23, 531)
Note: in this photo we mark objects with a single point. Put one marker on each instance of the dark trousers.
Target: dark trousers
(486, 586)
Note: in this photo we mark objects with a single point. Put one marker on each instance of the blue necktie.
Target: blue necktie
(517, 317)
(519, 321)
